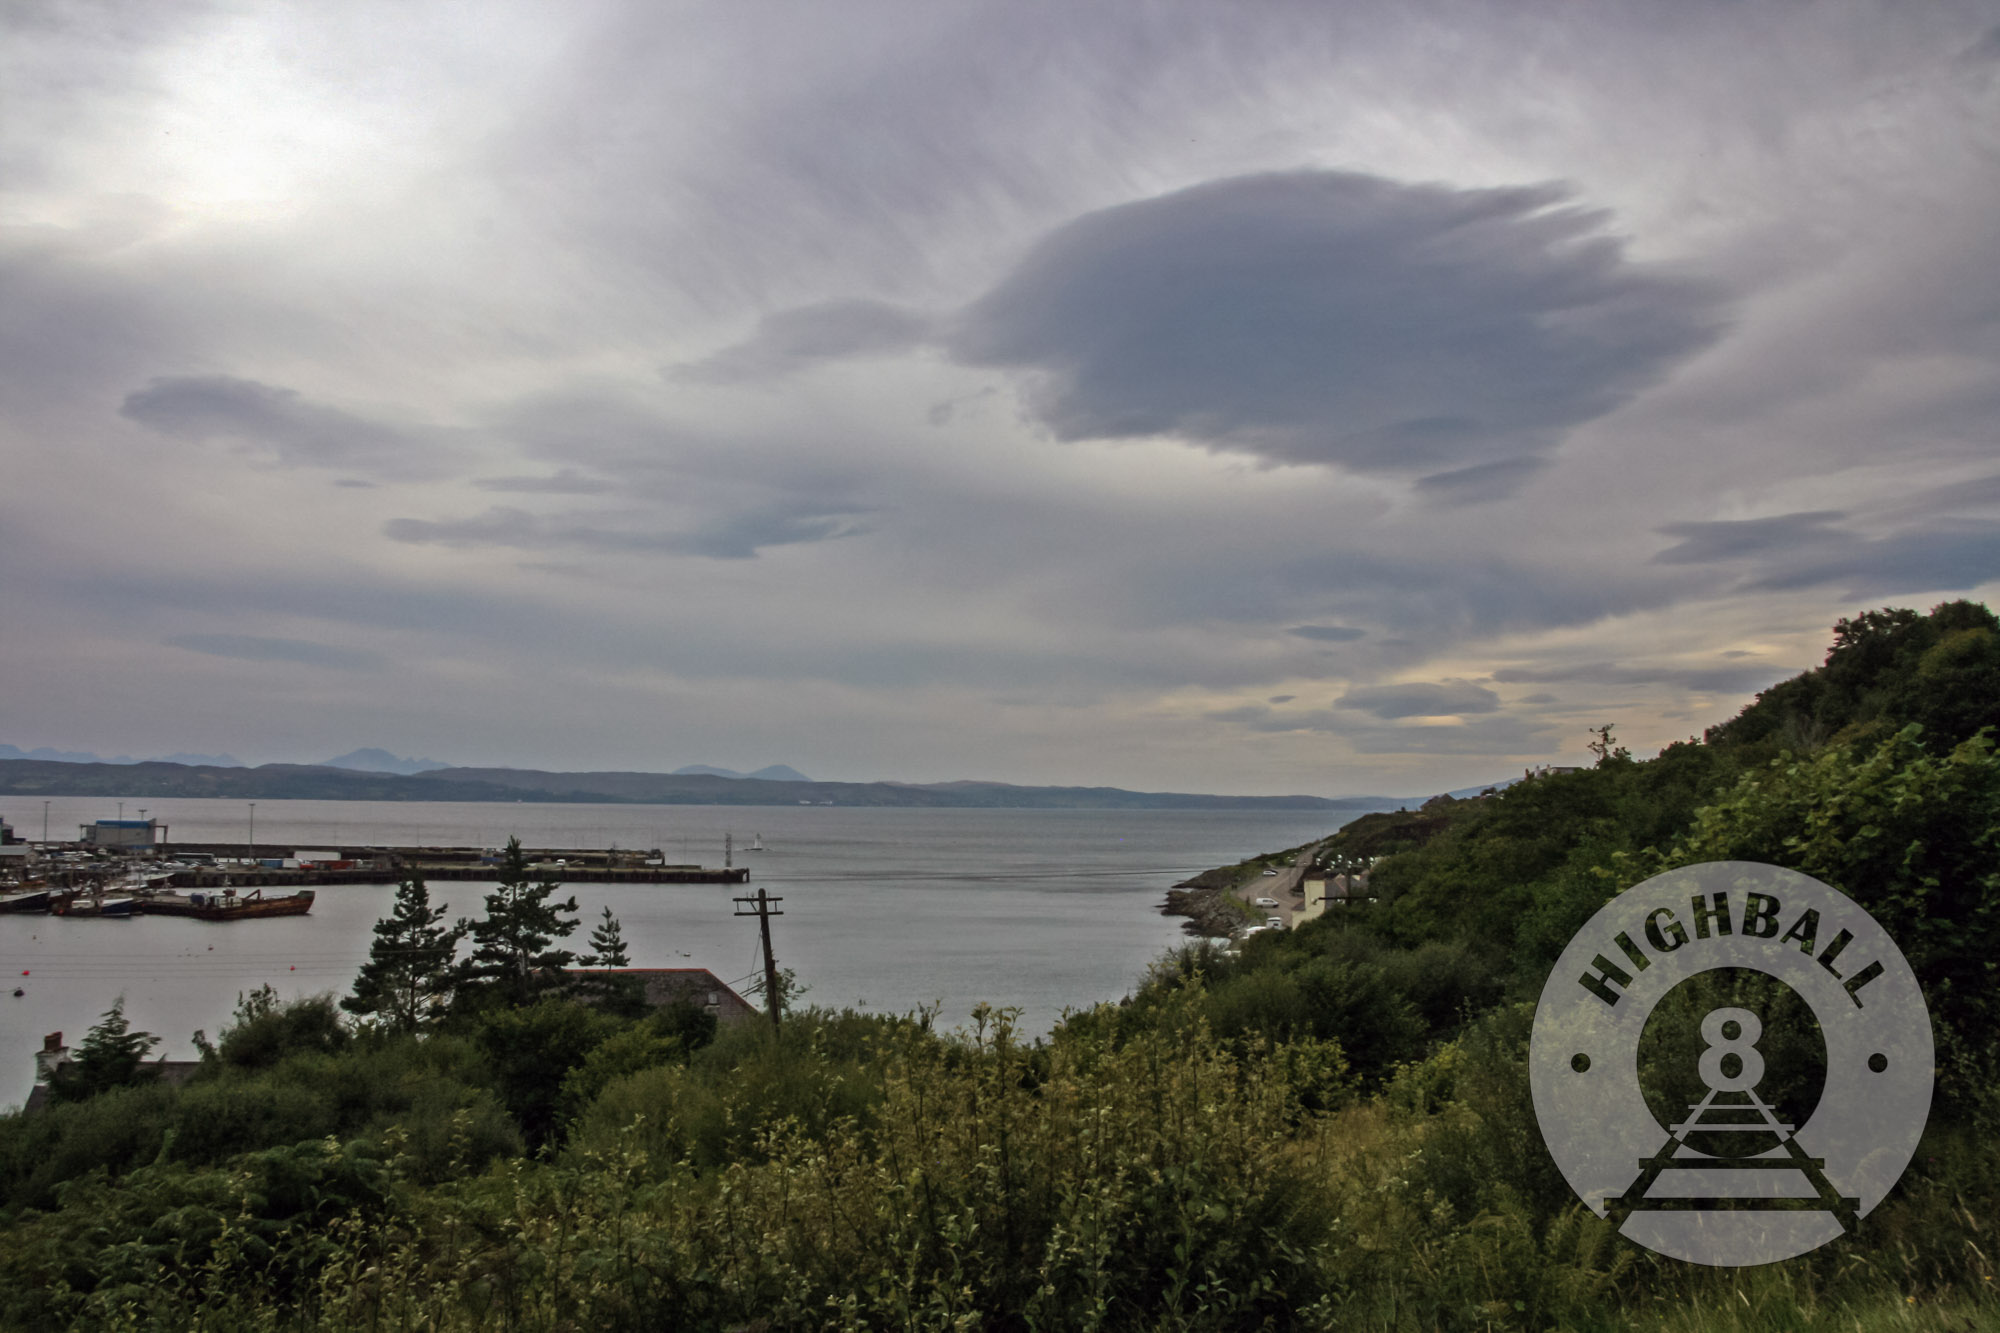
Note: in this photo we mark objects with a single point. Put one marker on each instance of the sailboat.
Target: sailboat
(756, 844)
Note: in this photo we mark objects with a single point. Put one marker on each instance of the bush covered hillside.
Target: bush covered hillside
(1330, 1129)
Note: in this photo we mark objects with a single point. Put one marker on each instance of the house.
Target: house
(54, 1055)
(1343, 889)
(1315, 890)
(695, 986)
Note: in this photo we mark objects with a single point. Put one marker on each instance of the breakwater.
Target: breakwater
(244, 864)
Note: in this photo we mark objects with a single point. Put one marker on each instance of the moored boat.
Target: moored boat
(34, 900)
(226, 904)
(83, 904)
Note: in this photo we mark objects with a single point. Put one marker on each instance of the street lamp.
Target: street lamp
(253, 830)
(45, 823)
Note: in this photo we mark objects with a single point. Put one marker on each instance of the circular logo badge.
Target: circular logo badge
(1733, 1062)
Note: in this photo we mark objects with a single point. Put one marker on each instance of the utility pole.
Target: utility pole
(253, 830)
(45, 824)
(728, 850)
(762, 908)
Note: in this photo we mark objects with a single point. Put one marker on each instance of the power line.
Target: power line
(762, 909)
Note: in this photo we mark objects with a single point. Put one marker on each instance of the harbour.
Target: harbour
(886, 910)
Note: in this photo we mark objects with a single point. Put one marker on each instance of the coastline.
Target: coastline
(1218, 902)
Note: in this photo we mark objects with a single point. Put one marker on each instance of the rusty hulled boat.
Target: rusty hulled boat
(225, 904)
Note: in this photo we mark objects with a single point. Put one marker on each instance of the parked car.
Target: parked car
(1275, 922)
(1267, 902)
(1270, 872)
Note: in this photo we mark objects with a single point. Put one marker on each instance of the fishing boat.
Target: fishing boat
(93, 904)
(34, 900)
(226, 904)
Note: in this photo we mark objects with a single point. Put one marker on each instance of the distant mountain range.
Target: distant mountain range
(76, 757)
(368, 759)
(371, 760)
(775, 773)
(40, 776)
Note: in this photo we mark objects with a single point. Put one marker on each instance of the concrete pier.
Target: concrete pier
(387, 865)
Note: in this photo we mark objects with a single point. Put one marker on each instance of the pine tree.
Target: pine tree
(111, 1056)
(512, 954)
(607, 945)
(410, 974)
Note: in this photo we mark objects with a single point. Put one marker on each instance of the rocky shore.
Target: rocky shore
(1208, 901)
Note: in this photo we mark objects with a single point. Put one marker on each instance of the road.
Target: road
(1287, 886)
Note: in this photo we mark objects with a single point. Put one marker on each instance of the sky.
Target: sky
(1249, 398)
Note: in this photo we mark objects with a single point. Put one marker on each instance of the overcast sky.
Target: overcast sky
(1265, 398)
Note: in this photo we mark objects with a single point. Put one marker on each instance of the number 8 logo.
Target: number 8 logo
(1656, 1179)
(1723, 1043)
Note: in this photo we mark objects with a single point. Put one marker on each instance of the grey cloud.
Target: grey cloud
(1281, 698)
(1259, 718)
(1731, 539)
(1429, 593)
(289, 427)
(740, 536)
(567, 481)
(791, 340)
(1421, 699)
(1805, 550)
(1327, 633)
(1481, 482)
(1712, 680)
(496, 527)
(733, 536)
(1538, 698)
(1479, 736)
(648, 456)
(1955, 498)
(1331, 317)
(1950, 557)
(255, 648)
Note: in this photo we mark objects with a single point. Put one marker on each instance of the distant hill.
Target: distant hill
(203, 760)
(33, 777)
(371, 760)
(47, 755)
(774, 773)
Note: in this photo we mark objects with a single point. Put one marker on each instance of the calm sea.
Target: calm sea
(886, 910)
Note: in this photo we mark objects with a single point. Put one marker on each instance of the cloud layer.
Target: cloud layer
(1334, 317)
(1296, 397)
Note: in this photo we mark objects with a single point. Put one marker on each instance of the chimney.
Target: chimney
(52, 1054)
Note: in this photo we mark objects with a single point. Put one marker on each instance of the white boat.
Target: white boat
(756, 844)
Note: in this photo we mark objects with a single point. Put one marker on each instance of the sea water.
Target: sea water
(884, 909)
